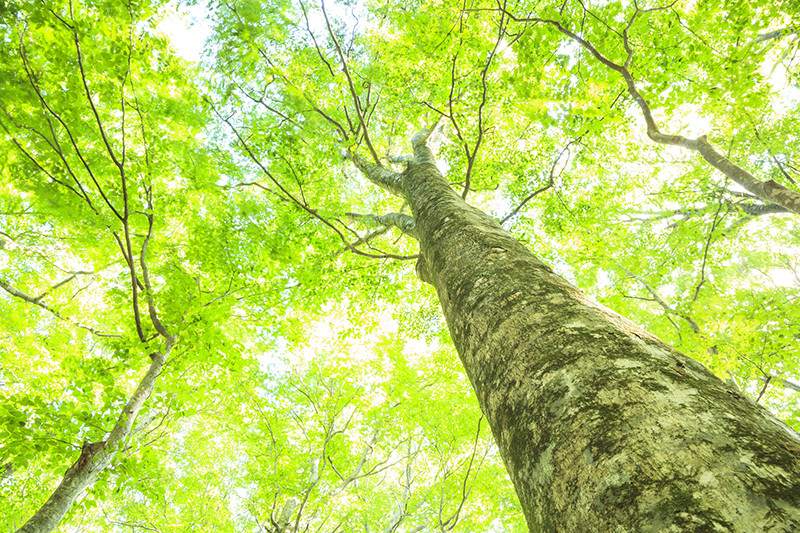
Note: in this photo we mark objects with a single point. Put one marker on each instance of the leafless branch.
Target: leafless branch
(472, 153)
(451, 522)
(714, 223)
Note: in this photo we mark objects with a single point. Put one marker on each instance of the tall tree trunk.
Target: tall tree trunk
(602, 426)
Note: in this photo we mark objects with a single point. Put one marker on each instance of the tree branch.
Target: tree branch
(380, 176)
(550, 180)
(38, 302)
(151, 307)
(95, 457)
(472, 154)
(400, 221)
(356, 100)
(770, 190)
(660, 301)
(288, 194)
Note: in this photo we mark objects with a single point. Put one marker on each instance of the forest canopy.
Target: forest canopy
(194, 243)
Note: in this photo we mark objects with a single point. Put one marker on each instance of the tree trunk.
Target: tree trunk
(96, 456)
(602, 426)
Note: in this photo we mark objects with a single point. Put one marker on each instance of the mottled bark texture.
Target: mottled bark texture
(602, 426)
(96, 456)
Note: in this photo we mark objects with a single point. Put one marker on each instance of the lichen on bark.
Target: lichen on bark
(602, 426)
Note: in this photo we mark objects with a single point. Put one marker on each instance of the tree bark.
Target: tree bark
(96, 456)
(602, 426)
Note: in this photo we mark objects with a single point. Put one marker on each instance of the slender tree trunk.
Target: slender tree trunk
(602, 426)
(96, 456)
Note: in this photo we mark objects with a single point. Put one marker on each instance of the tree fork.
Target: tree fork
(602, 426)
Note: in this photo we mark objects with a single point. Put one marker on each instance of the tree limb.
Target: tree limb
(770, 190)
(356, 100)
(660, 301)
(380, 176)
(95, 457)
(38, 302)
(400, 221)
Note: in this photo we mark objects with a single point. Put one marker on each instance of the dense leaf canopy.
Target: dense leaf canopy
(313, 385)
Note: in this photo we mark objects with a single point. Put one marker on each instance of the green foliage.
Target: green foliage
(313, 378)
